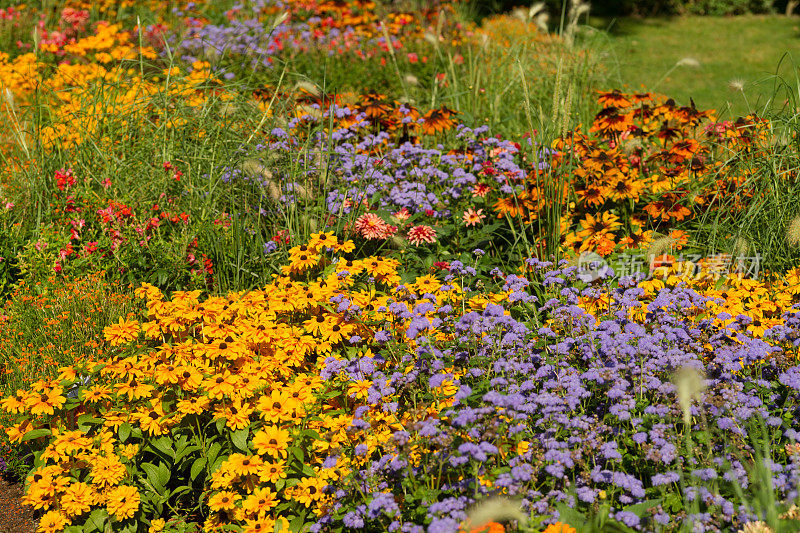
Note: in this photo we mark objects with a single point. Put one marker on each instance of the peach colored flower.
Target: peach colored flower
(371, 226)
(472, 217)
(420, 234)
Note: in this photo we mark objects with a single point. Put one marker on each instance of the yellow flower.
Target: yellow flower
(157, 525)
(261, 501)
(121, 332)
(108, 470)
(123, 501)
(272, 440)
(52, 521)
(78, 499)
(224, 500)
(308, 490)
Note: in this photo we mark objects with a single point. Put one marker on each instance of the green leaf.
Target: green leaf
(98, 519)
(186, 450)
(36, 433)
(153, 476)
(216, 464)
(86, 421)
(298, 453)
(163, 474)
(310, 433)
(180, 490)
(570, 516)
(239, 439)
(197, 467)
(639, 509)
(297, 523)
(124, 431)
(129, 528)
(213, 452)
(164, 445)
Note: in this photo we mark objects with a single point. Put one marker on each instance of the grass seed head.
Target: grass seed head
(410, 79)
(495, 510)
(689, 383)
(736, 85)
(793, 231)
(756, 527)
(688, 62)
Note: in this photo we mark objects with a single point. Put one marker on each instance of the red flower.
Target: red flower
(420, 234)
(64, 178)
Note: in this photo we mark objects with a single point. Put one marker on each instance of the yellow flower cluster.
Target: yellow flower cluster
(249, 364)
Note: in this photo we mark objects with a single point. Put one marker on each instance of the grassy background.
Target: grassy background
(645, 52)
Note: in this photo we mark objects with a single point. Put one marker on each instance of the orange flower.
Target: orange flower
(121, 332)
(559, 527)
(489, 527)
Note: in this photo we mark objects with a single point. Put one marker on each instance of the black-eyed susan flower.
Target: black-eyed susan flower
(308, 490)
(236, 414)
(602, 223)
(121, 332)
(78, 498)
(260, 502)
(96, 393)
(107, 470)
(52, 522)
(273, 441)
(123, 501)
(224, 500)
(220, 385)
(272, 472)
(275, 407)
(41, 495)
(46, 402)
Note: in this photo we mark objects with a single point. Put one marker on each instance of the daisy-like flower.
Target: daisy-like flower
(472, 217)
(14, 404)
(308, 490)
(272, 440)
(261, 501)
(272, 472)
(123, 501)
(52, 521)
(372, 227)
(108, 470)
(420, 234)
(77, 499)
(223, 500)
(46, 402)
(480, 189)
(121, 332)
(402, 215)
(601, 223)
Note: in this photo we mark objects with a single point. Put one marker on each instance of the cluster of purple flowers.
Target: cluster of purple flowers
(249, 39)
(356, 169)
(554, 404)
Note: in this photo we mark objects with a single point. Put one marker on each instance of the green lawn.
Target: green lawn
(715, 51)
